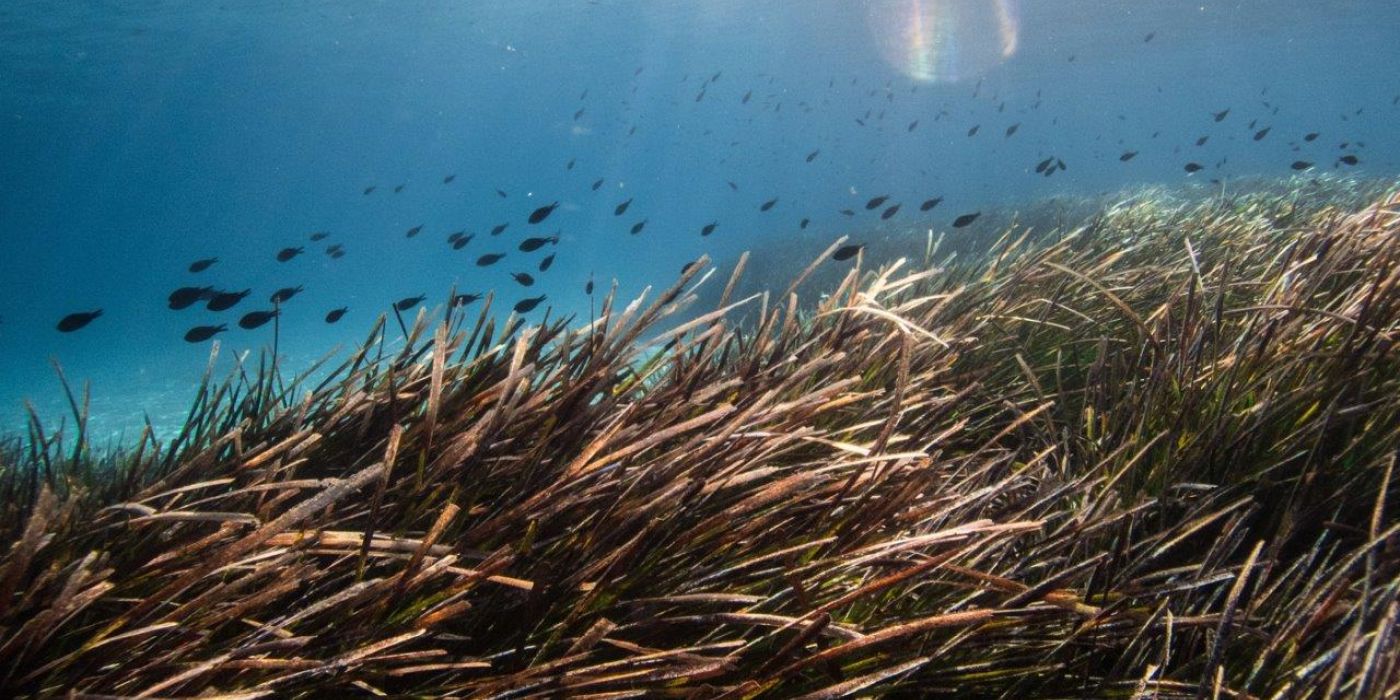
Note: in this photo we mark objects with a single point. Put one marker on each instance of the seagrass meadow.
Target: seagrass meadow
(1151, 455)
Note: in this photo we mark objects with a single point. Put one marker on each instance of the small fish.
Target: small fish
(846, 252)
(1202, 141)
(318, 236)
(448, 179)
(1042, 165)
(1260, 134)
(746, 97)
(1349, 159)
(709, 228)
(731, 184)
(185, 297)
(413, 231)
(1060, 164)
(75, 321)
(202, 265)
(588, 286)
(803, 223)
(543, 213)
(501, 193)
(335, 315)
(848, 212)
(199, 334)
(407, 303)
(530, 245)
(369, 189)
(462, 242)
(579, 114)
(546, 263)
(464, 299)
(1193, 167)
(966, 219)
(254, 319)
(489, 259)
(597, 183)
(1311, 137)
(398, 189)
(1011, 130)
(285, 294)
(930, 203)
(1127, 156)
(1301, 165)
(336, 254)
(523, 278)
(288, 253)
(768, 204)
(875, 202)
(455, 236)
(891, 211)
(498, 229)
(813, 155)
(1150, 36)
(223, 301)
(1220, 116)
(621, 209)
(913, 125)
(973, 131)
(525, 306)
(637, 227)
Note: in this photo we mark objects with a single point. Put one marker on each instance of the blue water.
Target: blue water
(138, 136)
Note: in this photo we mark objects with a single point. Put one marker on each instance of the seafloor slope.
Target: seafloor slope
(1152, 456)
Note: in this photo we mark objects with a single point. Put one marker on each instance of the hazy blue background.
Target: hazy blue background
(137, 136)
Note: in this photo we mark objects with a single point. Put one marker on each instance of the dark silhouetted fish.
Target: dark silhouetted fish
(464, 299)
(597, 183)
(1042, 165)
(199, 334)
(185, 297)
(285, 294)
(1301, 165)
(621, 209)
(813, 155)
(525, 306)
(336, 314)
(1011, 130)
(523, 278)
(846, 252)
(407, 303)
(891, 211)
(398, 189)
(498, 229)
(75, 321)
(546, 263)
(875, 202)
(1349, 159)
(848, 212)
(747, 96)
(202, 265)
(973, 131)
(1260, 134)
(966, 219)
(448, 179)
(1127, 156)
(530, 245)
(637, 227)
(254, 319)
(318, 236)
(1149, 37)
(1311, 137)
(588, 286)
(930, 203)
(455, 236)
(288, 253)
(1193, 167)
(803, 223)
(462, 242)
(489, 259)
(731, 184)
(913, 125)
(223, 301)
(502, 194)
(1220, 116)
(413, 231)
(1202, 141)
(768, 204)
(543, 213)
(369, 189)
